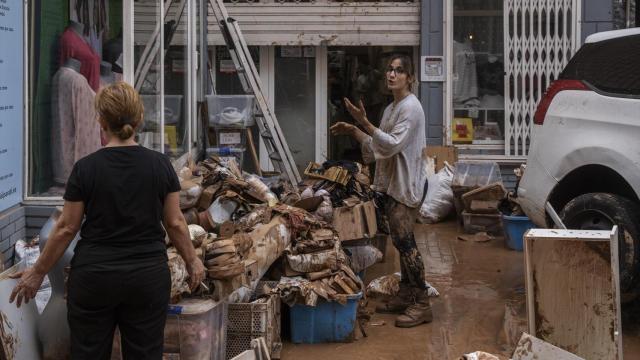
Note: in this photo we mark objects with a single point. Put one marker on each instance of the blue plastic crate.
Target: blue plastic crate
(514, 229)
(324, 323)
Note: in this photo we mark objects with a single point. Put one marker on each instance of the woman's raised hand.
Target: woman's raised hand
(358, 112)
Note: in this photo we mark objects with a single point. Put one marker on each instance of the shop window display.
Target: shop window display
(73, 54)
(478, 72)
(357, 72)
(163, 83)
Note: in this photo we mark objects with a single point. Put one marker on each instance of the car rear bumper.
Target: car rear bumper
(534, 190)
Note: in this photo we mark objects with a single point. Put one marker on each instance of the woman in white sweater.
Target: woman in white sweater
(396, 148)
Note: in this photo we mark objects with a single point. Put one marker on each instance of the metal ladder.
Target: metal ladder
(153, 45)
(268, 126)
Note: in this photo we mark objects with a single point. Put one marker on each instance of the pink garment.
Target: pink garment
(76, 132)
(74, 46)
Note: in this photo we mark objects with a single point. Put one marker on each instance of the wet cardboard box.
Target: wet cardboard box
(355, 222)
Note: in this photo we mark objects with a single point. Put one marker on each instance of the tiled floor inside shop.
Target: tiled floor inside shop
(476, 281)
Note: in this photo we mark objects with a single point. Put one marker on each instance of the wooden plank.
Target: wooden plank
(348, 223)
(531, 348)
(369, 215)
(572, 286)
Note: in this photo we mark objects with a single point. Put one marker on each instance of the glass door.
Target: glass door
(295, 100)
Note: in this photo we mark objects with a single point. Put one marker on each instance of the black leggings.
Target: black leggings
(134, 300)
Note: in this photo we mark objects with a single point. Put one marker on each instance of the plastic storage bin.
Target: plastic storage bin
(196, 330)
(231, 110)
(226, 154)
(514, 229)
(172, 109)
(326, 322)
(475, 174)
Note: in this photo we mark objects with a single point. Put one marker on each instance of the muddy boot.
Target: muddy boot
(398, 304)
(417, 313)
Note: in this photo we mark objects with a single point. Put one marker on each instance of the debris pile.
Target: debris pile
(233, 216)
(335, 184)
(509, 205)
(315, 262)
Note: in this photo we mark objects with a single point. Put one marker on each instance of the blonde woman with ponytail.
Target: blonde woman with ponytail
(128, 196)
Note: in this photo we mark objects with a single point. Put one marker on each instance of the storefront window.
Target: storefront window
(75, 50)
(357, 72)
(478, 72)
(176, 87)
(163, 75)
(148, 65)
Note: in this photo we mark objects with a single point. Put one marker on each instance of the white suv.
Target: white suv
(585, 157)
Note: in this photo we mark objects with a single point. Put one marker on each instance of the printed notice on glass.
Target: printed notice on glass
(11, 94)
(230, 138)
(432, 68)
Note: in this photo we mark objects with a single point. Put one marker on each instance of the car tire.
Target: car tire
(600, 211)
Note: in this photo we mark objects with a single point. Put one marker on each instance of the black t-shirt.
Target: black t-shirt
(123, 190)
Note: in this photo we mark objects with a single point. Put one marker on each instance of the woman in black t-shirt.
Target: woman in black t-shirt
(119, 274)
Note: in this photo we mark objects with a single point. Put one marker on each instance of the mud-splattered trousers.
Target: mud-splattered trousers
(401, 220)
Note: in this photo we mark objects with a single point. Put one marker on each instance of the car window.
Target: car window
(611, 66)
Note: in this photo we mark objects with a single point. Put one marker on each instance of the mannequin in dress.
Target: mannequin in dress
(75, 132)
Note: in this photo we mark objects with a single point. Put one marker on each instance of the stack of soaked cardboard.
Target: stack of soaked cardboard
(355, 220)
(477, 191)
(481, 212)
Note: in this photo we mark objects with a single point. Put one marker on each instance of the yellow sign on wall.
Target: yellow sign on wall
(462, 130)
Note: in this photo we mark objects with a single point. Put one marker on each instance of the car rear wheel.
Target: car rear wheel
(600, 211)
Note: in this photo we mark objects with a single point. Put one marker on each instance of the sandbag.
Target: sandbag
(190, 191)
(363, 256)
(318, 261)
(325, 210)
(439, 200)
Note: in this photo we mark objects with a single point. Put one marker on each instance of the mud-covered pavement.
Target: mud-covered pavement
(476, 281)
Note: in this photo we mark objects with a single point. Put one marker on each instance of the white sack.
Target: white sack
(439, 200)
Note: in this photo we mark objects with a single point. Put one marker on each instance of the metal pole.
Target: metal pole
(202, 76)
(554, 216)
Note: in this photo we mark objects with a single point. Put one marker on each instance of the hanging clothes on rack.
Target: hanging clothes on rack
(465, 78)
(74, 46)
(94, 14)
